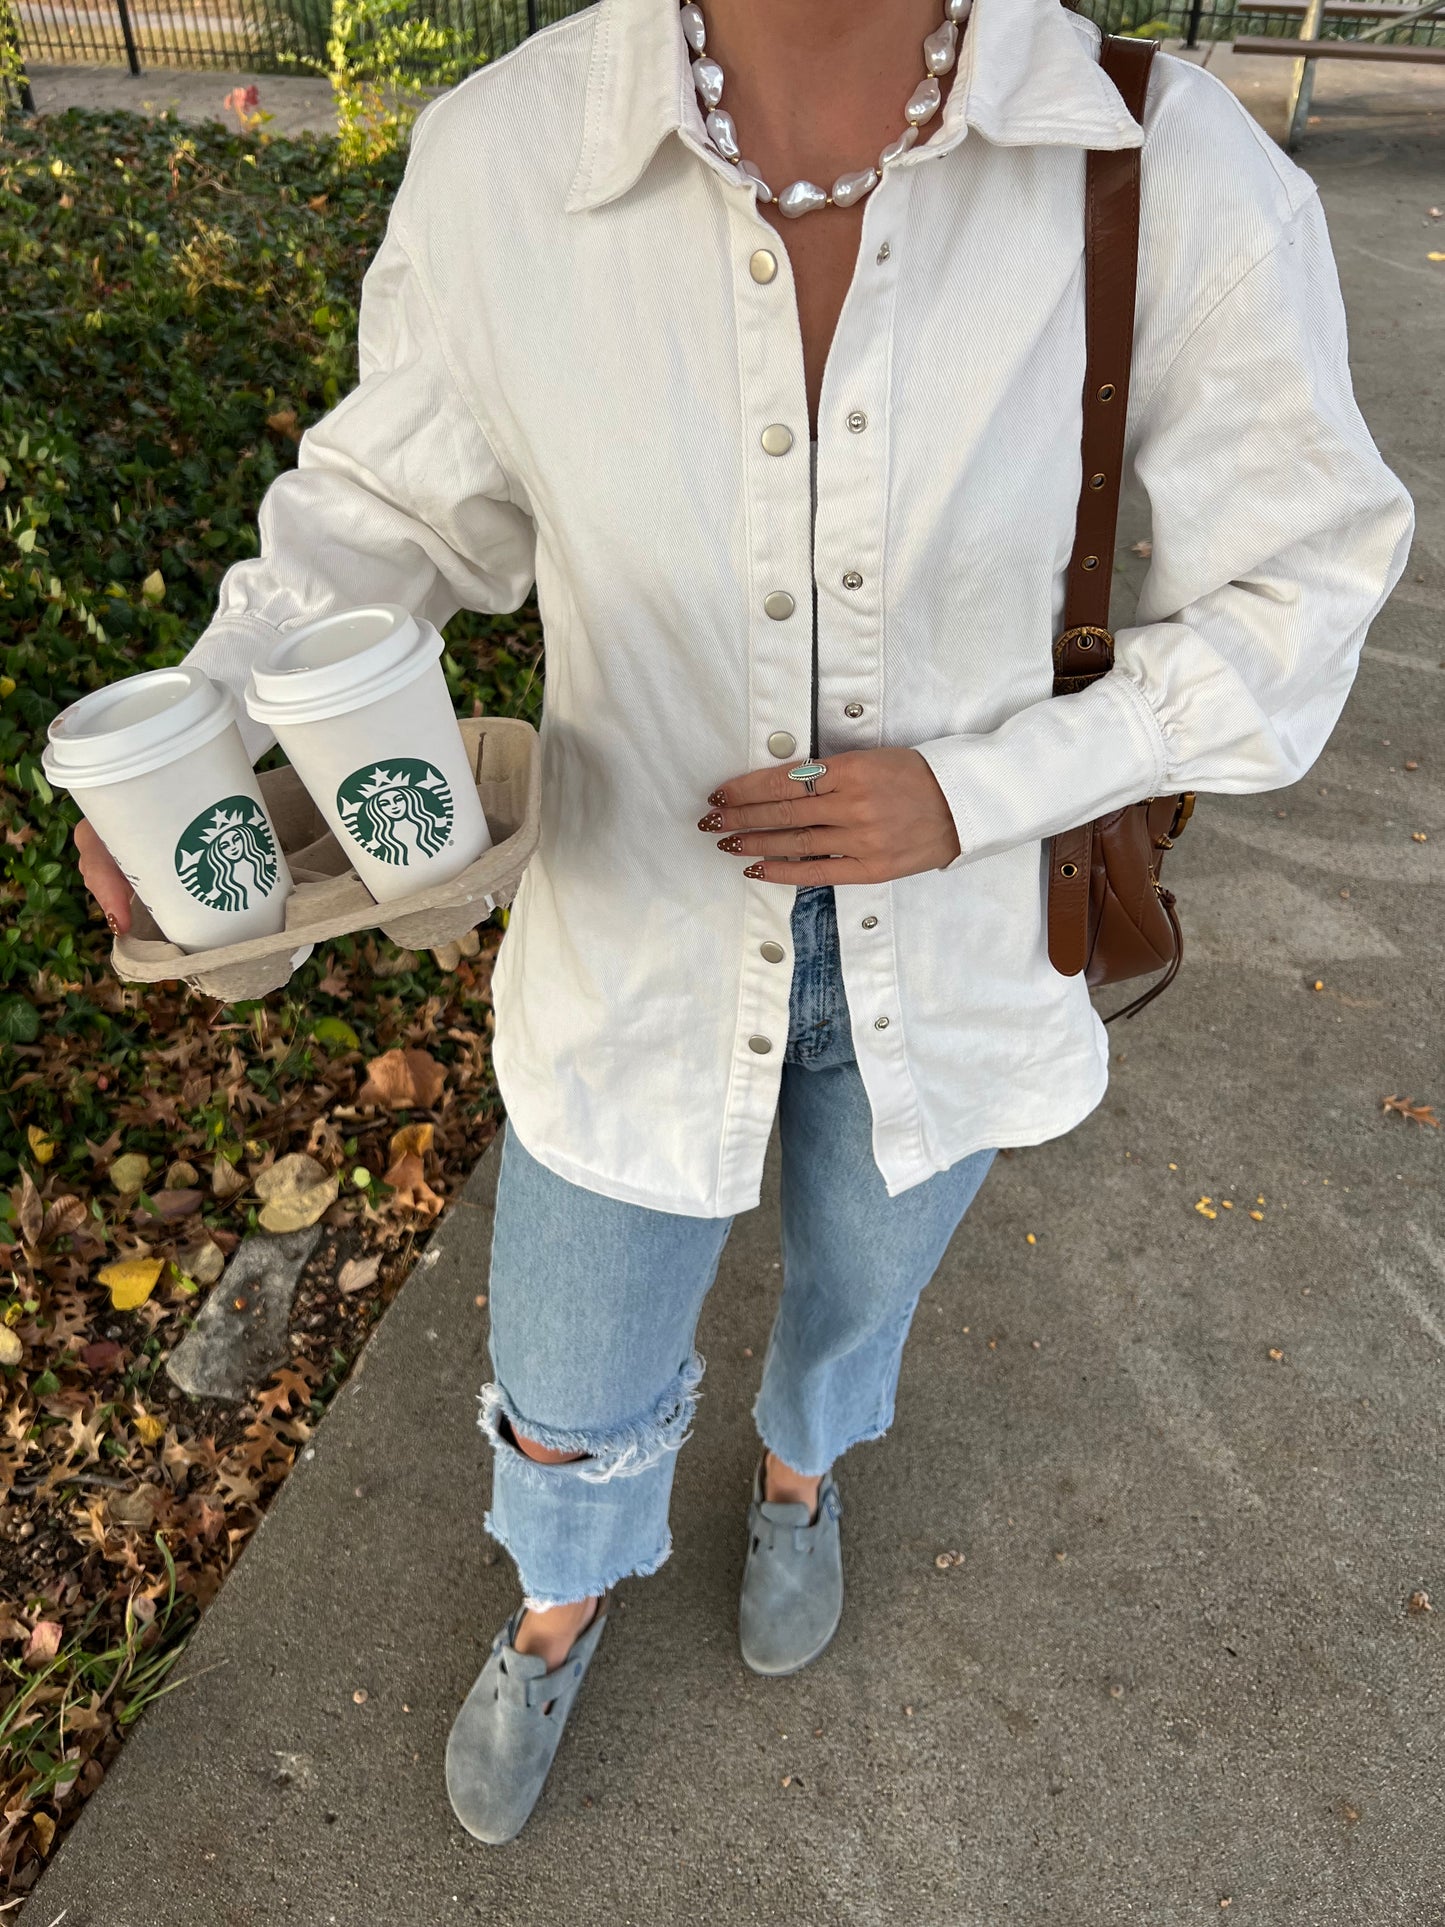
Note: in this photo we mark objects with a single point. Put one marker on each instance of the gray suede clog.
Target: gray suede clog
(504, 1739)
(792, 1594)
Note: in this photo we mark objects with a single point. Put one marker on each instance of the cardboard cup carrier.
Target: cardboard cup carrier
(393, 815)
(157, 765)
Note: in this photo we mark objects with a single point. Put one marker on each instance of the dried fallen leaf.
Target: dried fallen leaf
(402, 1080)
(284, 422)
(182, 1176)
(412, 1140)
(408, 1179)
(204, 1261)
(128, 1174)
(1407, 1107)
(1419, 1602)
(358, 1274)
(43, 1827)
(1275, 1353)
(63, 1219)
(131, 1280)
(295, 1190)
(44, 1642)
(944, 1560)
(1144, 547)
(226, 1180)
(11, 1349)
(149, 1429)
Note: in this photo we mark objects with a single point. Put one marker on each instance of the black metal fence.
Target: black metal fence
(266, 36)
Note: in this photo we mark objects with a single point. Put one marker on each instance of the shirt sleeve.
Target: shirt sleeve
(396, 497)
(1278, 533)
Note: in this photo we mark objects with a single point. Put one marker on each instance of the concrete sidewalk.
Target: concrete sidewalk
(1176, 1668)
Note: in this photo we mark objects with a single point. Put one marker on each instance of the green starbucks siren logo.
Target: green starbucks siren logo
(397, 810)
(227, 857)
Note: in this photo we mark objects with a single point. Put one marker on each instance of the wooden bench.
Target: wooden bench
(1309, 47)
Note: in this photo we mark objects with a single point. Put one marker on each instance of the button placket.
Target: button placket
(773, 401)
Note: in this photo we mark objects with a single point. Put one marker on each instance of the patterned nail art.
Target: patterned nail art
(112, 922)
(712, 821)
(716, 799)
(753, 870)
(733, 844)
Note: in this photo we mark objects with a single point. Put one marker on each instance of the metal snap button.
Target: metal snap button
(781, 743)
(852, 580)
(779, 605)
(760, 1043)
(883, 252)
(774, 952)
(852, 709)
(868, 922)
(777, 438)
(764, 265)
(880, 1023)
(857, 421)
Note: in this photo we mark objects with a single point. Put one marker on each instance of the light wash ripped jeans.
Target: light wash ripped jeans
(595, 1303)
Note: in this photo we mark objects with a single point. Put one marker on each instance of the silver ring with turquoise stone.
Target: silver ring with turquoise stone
(808, 774)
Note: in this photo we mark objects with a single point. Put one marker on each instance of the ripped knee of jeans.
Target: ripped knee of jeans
(611, 1452)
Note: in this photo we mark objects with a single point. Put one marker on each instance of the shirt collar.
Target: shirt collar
(1028, 75)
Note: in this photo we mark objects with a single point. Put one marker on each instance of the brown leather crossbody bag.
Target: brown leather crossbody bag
(1108, 913)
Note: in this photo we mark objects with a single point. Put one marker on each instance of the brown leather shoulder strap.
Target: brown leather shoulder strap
(1084, 648)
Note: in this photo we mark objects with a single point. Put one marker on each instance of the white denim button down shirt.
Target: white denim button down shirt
(566, 367)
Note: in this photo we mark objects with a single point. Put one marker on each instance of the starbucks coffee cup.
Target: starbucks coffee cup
(359, 703)
(157, 765)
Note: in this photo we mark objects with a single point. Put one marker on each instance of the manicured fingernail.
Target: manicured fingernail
(717, 799)
(712, 821)
(732, 844)
(112, 922)
(753, 870)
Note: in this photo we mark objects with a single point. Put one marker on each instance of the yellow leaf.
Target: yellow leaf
(412, 1140)
(44, 1828)
(7, 686)
(154, 586)
(11, 1349)
(1435, 255)
(42, 1148)
(131, 1280)
(149, 1428)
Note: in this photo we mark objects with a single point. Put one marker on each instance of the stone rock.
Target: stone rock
(229, 1351)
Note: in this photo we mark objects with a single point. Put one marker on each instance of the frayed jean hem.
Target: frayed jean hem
(594, 1588)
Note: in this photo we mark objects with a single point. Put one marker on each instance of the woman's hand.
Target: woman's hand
(103, 878)
(877, 814)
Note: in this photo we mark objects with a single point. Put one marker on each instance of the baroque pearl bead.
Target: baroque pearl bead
(709, 78)
(765, 193)
(900, 146)
(802, 197)
(694, 32)
(957, 9)
(923, 102)
(849, 188)
(938, 49)
(724, 135)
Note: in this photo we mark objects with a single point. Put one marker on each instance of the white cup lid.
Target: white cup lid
(135, 726)
(340, 663)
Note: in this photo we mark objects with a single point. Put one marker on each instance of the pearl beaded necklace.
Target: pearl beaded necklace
(940, 49)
